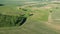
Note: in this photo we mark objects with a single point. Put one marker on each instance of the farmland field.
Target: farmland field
(29, 17)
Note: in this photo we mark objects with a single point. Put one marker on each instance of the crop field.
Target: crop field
(30, 18)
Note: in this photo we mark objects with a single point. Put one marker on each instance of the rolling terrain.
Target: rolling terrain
(40, 19)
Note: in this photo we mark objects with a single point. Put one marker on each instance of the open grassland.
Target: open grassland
(13, 14)
(35, 24)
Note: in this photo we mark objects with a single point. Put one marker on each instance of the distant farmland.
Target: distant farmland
(30, 18)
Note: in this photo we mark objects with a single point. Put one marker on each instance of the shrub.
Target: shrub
(1, 4)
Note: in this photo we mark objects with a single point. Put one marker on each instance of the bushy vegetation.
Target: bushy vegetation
(1, 4)
(11, 16)
(7, 20)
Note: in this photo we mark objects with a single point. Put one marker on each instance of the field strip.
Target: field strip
(56, 19)
(57, 27)
(9, 30)
(49, 23)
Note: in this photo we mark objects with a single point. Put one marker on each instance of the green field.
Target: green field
(37, 15)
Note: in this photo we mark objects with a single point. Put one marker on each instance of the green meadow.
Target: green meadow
(30, 18)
